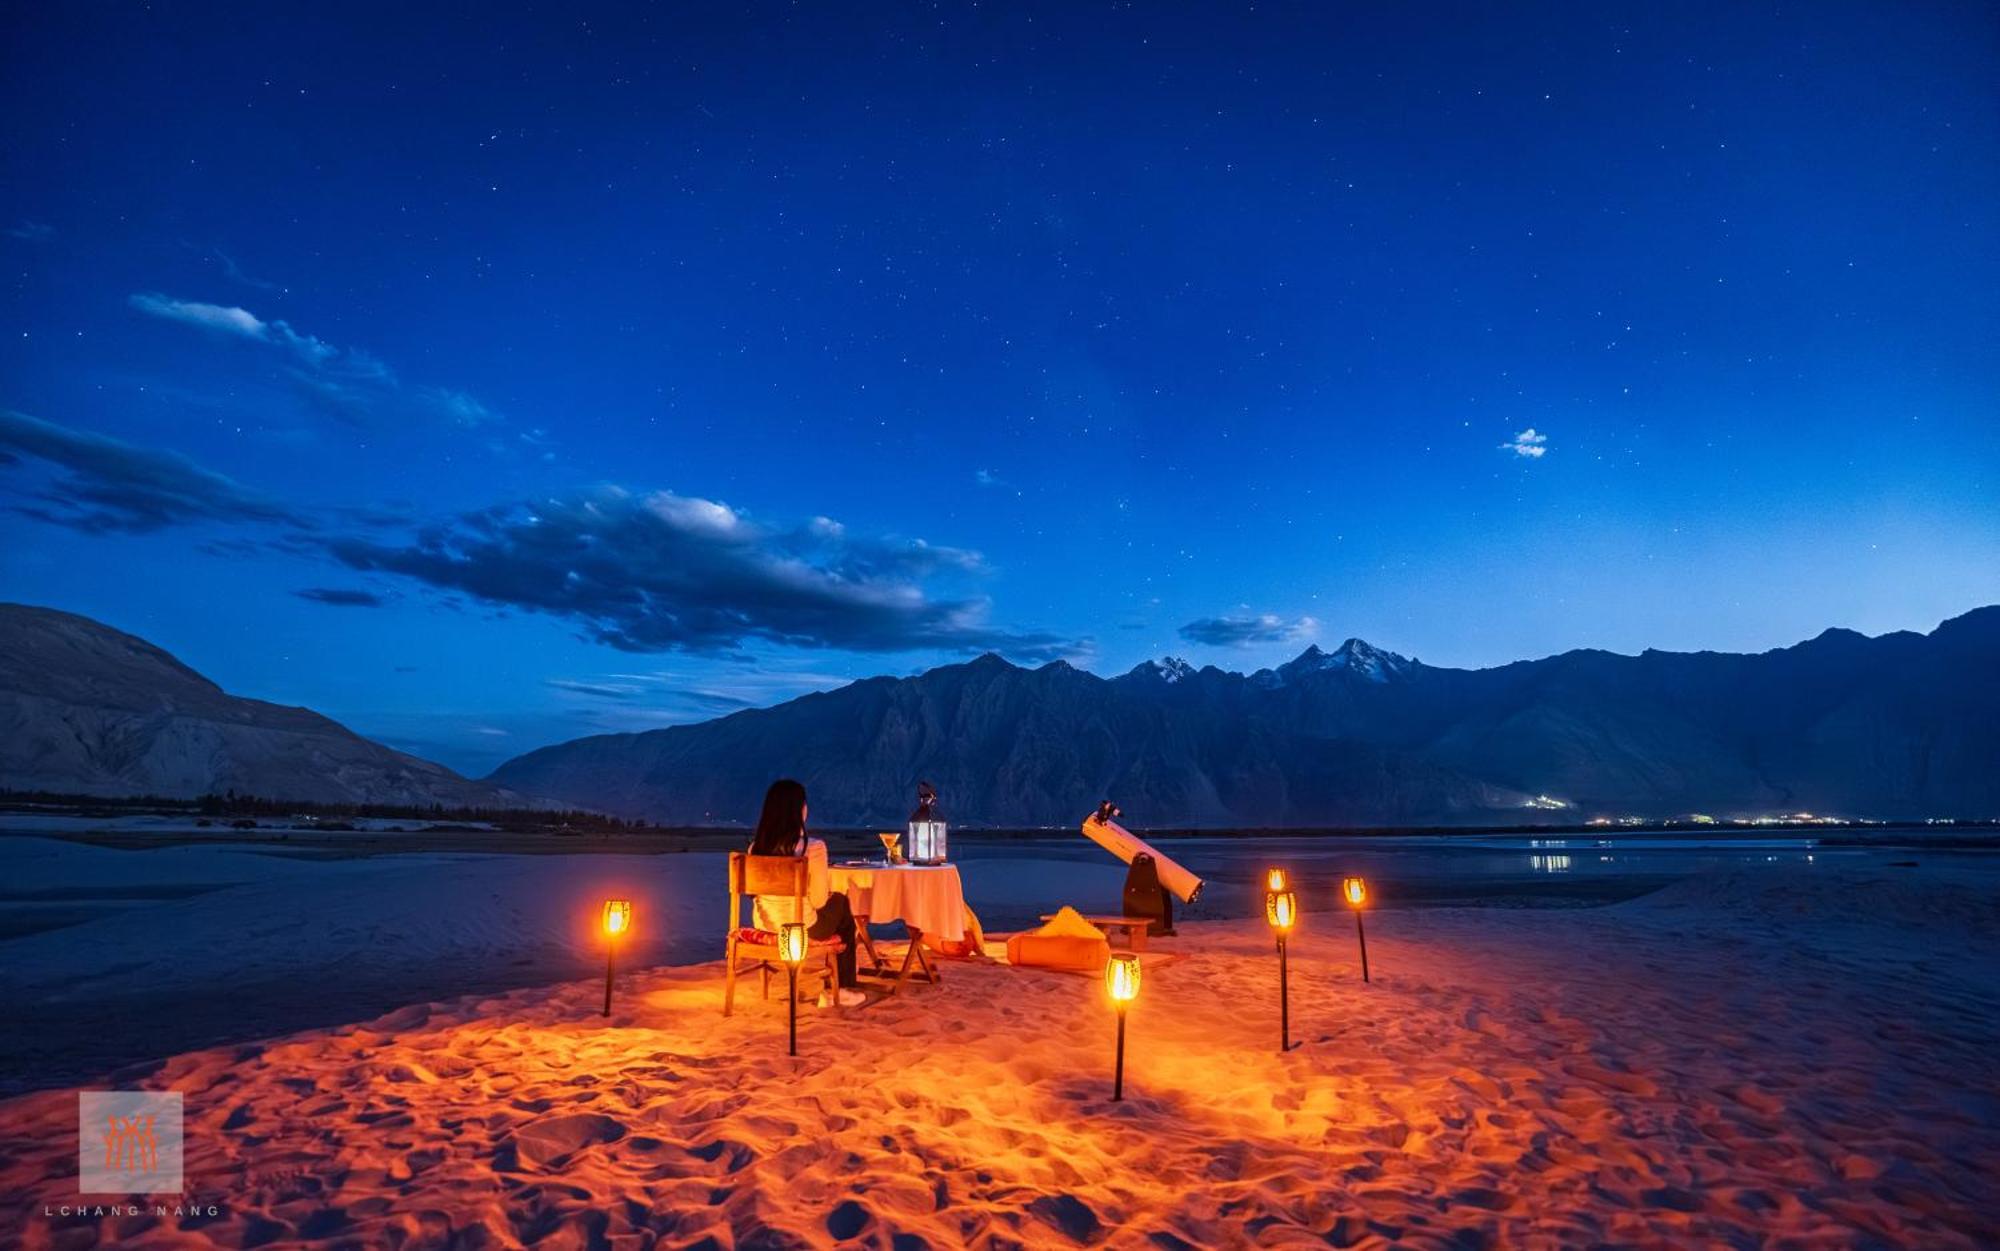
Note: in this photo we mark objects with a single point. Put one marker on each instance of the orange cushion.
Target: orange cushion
(765, 938)
(1058, 951)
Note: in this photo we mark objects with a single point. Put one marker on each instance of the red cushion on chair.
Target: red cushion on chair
(765, 938)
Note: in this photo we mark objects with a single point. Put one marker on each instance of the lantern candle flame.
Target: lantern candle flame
(1277, 879)
(617, 916)
(1121, 977)
(792, 943)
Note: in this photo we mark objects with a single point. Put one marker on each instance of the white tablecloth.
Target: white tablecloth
(926, 896)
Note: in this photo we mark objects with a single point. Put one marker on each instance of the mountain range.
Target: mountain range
(1900, 725)
(89, 710)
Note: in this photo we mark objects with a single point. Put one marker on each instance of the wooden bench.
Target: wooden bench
(1136, 928)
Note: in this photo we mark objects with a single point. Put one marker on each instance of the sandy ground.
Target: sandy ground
(1734, 1061)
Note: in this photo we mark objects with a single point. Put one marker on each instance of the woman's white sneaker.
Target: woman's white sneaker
(851, 998)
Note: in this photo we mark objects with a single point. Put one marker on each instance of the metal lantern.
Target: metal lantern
(617, 921)
(925, 841)
(1121, 982)
(792, 951)
(1277, 879)
(617, 916)
(1281, 909)
(1355, 891)
(1121, 977)
(792, 943)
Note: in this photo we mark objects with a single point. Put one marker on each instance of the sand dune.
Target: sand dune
(1696, 1068)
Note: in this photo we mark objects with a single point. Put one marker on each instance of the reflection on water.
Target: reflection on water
(1479, 868)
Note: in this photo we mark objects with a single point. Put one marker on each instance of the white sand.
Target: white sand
(1740, 1060)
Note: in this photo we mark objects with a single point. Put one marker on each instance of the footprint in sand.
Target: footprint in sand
(548, 1143)
(848, 1220)
(1067, 1213)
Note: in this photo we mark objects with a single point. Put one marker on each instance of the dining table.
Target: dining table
(929, 899)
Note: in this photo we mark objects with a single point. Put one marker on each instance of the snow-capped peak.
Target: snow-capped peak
(1362, 659)
(1369, 661)
(1168, 669)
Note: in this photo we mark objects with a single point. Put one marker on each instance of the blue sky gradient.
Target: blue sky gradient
(483, 383)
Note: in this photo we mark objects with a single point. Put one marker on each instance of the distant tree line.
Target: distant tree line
(230, 804)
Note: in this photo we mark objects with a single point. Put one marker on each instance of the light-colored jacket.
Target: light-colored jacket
(774, 910)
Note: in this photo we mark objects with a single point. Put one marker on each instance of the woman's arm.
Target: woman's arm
(819, 884)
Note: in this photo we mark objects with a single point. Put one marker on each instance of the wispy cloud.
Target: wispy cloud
(237, 274)
(1530, 443)
(103, 485)
(661, 572)
(598, 690)
(1248, 631)
(348, 384)
(341, 597)
(32, 232)
(666, 572)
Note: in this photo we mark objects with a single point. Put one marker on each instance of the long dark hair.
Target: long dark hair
(781, 830)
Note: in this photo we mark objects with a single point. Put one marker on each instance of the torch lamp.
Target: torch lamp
(1276, 879)
(1121, 982)
(1355, 892)
(617, 923)
(792, 950)
(1281, 909)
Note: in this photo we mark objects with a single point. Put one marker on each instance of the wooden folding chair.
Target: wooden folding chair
(768, 875)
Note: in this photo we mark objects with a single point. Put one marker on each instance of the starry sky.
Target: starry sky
(488, 379)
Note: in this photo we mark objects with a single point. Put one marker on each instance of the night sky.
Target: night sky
(487, 380)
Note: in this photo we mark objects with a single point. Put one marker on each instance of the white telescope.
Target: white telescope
(1101, 827)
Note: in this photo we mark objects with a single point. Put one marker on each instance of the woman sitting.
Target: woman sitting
(781, 831)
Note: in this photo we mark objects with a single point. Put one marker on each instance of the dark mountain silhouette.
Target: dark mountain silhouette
(1900, 725)
(89, 710)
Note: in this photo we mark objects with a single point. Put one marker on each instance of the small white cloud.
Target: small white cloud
(694, 515)
(986, 478)
(1530, 443)
(229, 320)
(346, 381)
(32, 232)
(462, 409)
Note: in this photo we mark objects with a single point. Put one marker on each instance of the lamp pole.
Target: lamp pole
(610, 961)
(1284, 1001)
(1361, 933)
(1118, 1066)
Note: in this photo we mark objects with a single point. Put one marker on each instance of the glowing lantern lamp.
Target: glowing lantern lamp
(1277, 879)
(925, 842)
(1121, 981)
(617, 923)
(792, 950)
(1281, 909)
(1355, 891)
